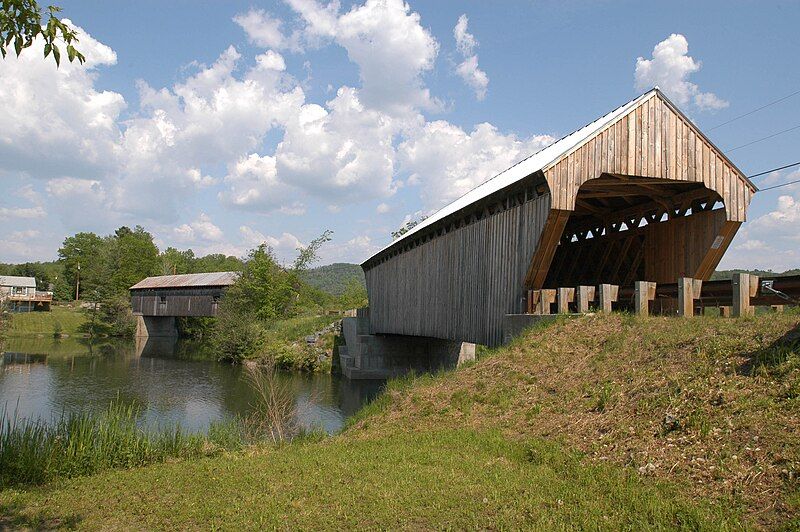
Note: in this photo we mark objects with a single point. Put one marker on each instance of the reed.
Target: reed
(34, 452)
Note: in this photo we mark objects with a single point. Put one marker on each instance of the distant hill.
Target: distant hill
(334, 278)
(727, 274)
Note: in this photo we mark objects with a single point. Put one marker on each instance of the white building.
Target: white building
(21, 295)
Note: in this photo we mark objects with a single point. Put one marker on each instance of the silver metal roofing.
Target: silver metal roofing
(187, 280)
(13, 280)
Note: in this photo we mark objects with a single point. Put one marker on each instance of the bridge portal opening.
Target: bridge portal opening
(629, 228)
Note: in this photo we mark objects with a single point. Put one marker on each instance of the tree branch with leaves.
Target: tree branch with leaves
(23, 21)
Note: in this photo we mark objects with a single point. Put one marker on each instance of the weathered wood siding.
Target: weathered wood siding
(197, 302)
(653, 140)
(459, 284)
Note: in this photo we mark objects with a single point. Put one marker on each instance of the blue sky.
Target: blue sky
(217, 125)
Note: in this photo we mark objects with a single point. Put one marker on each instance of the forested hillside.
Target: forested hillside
(335, 278)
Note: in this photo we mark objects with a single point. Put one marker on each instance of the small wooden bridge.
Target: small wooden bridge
(639, 194)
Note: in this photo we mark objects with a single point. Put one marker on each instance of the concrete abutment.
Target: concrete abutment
(385, 356)
(156, 327)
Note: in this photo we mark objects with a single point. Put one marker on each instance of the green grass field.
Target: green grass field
(44, 323)
(602, 422)
(444, 479)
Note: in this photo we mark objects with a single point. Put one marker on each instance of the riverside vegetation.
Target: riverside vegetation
(610, 422)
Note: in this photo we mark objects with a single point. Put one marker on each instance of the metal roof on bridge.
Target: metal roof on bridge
(187, 280)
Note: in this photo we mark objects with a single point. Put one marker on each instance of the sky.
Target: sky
(221, 125)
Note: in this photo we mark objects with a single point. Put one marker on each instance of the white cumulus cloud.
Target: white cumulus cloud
(200, 230)
(468, 69)
(669, 68)
(447, 161)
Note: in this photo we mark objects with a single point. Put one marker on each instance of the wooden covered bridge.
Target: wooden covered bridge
(638, 195)
(157, 301)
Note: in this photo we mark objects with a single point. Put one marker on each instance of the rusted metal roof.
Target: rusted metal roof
(187, 280)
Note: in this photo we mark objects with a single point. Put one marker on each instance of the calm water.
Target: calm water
(171, 382)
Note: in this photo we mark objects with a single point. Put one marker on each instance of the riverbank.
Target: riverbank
(65, 320)
(597, 422)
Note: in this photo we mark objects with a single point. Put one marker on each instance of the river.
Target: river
(170, 382)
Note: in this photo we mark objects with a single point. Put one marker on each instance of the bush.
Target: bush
(111, 316)
(236, 336)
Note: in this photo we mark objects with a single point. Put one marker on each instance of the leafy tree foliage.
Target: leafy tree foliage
(23, 21)
(308, 255)
(81, 254)
(265, 292)
(406, 228)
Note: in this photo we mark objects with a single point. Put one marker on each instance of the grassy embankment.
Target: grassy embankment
(285, 343)
(65, 319)
(597, 422)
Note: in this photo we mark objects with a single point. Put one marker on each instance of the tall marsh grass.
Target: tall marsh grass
(33, 452)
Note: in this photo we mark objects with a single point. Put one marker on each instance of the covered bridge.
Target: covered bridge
(638, 194)
(157, 301)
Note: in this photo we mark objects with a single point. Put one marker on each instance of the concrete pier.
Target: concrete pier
(385, 356)
(156, 326)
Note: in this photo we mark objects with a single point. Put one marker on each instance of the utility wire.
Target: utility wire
(774, 170)
(764, 138)
(753, 111)
(779, 186)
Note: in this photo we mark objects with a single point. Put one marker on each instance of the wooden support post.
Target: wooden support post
(645, 292)
(529, 303)
(742, 290)
(564, 297)
(608, 294)
(584, 295)
(725, 311)
(533, 301)
(547, 297)
(688, 291)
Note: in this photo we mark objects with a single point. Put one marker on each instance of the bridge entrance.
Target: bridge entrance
(627, 228)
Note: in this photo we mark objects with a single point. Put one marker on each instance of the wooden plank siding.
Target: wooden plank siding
(665, 145)
(460, 284)
(196, 302)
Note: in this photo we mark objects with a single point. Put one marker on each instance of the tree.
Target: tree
(84, 251)
(406, 228)
(310, 254)
(133, 256)
(21, 23)
(174, 262)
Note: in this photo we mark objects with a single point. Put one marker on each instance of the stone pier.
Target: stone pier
(385, 356)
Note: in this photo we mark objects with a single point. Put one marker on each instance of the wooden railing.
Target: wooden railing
(37, 296)
(736, 297)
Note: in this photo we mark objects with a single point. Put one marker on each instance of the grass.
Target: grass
(602, 422)
(297, 328)
(711, 404)
(443, 479)
(68, 319)
(34, 452)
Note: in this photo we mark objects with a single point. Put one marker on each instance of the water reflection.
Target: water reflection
(172, 381)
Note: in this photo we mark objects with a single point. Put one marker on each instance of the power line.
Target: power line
(779, 186)
(753, 111)
(774, 170)
(764, 138)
